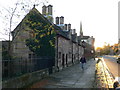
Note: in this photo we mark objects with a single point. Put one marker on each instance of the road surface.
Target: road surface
(112, 65)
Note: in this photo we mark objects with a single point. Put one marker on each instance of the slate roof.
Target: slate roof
(85, 37)
(58, 30)
(64, 34)
(74, 38)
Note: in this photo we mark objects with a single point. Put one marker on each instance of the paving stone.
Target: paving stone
(73, 77)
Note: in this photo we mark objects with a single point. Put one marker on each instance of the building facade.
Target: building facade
(66, 47)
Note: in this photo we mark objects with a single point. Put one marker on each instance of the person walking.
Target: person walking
(83, 61)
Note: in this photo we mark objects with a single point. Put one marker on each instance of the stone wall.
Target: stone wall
(25, 80)
(64, 50)
(18, 47)
(103, 77)
(75, 52)
(68, 52)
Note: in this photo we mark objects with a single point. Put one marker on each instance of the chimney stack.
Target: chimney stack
(47, 12)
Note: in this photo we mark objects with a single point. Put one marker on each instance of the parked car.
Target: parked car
(118, 59)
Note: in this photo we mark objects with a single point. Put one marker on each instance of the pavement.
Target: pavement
(70, 77)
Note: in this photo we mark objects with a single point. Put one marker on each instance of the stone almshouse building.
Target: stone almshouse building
(68, 46)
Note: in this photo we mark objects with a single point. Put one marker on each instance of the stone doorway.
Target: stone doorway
(66, 59)
(72, 58)
(63, 61)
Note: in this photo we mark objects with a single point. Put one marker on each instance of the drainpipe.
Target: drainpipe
(78, 53)
(72, 52)
(57, 53)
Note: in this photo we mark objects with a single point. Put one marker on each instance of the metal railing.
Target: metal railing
(18, 67)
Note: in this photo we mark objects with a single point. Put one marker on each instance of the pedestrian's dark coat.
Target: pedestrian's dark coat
(83, 60)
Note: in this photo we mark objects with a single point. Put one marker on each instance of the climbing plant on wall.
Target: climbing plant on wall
(43, 42)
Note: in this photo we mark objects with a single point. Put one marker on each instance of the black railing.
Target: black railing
(18, 67)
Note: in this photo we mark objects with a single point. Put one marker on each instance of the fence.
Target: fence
(18, 67)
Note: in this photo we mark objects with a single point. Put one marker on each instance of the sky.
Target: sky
(99, 17)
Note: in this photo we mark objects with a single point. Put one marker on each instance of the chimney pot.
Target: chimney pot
(44, 10)
(57, 20)
(61, 20)
(74, 31)
(66, 27)
(69, 26)
(49, 9)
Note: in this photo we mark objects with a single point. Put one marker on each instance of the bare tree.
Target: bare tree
(11, 16)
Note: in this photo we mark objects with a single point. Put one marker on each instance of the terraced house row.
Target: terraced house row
(39, 43)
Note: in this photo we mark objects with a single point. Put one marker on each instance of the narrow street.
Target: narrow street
(70, 77)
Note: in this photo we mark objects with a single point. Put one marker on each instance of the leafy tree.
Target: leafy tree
(115, 48)
(106, 49)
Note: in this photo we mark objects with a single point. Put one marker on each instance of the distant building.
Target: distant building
(88, 42)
